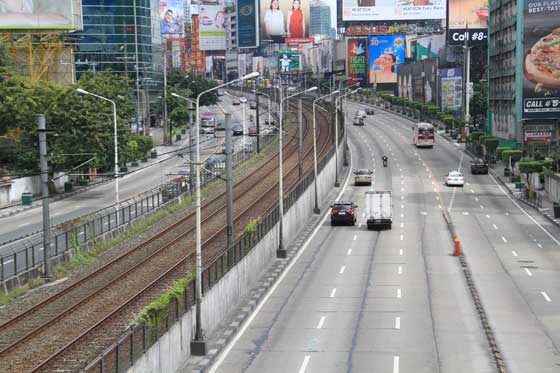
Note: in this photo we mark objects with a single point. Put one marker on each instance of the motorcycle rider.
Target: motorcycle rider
(385, 159)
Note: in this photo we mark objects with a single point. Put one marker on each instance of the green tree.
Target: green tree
(479, 101)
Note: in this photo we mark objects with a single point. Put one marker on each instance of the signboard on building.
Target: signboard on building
(172, 17)
(357, 60)
(212, 20)
(279, 20)
(467, 21)
(288, 61)
(366, 30)
(538, 136)
(451, 88)
(247, 21)
(40, 15)
(427, 47)
(385, 54)
(417, 81)
(541, 60)
(391, 10)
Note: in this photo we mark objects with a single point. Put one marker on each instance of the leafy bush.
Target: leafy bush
(529, 167)
(514, 154)
(475, 135)
(500, 149)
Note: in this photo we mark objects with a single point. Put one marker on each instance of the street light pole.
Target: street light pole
(116, 145)
(281, 252)
(198, 344)
(316, 208)
(166, 136)
(45, 193)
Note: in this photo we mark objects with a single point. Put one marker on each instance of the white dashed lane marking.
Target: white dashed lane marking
(321, 322)
(545, 296)
(333, 292)
(528, 272)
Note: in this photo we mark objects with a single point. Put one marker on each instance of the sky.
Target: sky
(332, 5)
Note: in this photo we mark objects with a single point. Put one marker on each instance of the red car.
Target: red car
(236, 102)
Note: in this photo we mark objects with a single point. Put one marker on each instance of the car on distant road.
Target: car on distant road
(454, 178)
(252, 130)
(253, 105)
(206, 130)
(369, 111)
(215, 161)
(479, 166)
(242, 99)
(362, 176)
(237, 130)
(358, 121)
(220, 92)
(343, 212)
(236, 102)
(270, 123)
(360, 113)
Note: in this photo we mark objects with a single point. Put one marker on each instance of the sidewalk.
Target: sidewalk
(37, 202)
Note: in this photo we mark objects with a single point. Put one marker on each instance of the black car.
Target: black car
(479, 166)
(358, 121)
(343, 212)
(237, 130)
(252, 105)
(369, 111)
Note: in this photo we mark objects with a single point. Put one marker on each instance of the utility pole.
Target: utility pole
(258, 123)
(45, 192)
(137, 70)
(166, 137)
(229, 181)
(191, 150)
(300, 135)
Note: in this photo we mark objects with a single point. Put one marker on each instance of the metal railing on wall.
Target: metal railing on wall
(139, 338)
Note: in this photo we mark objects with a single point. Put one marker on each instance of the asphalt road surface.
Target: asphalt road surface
(390, 301)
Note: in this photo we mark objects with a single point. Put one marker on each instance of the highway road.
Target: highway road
(130, 185)
(366, 301)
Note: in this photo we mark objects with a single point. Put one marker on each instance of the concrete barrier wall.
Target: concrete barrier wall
(10, 192)
(552, 186)
(173, 348)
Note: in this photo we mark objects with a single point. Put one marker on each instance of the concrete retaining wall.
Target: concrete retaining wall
(173, 348)
(552, 186)
(10, 192)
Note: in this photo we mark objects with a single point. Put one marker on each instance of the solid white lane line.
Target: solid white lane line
(355, 237)
(395, 364)
(304, 364)
(342, 269)
(545, 295)
(514, 253)
(397, 322)
(504, 239)
(321, 322)
(333, 292)
(528, 272)
(399, 270)
(399, 293)
(400, 251)
(349, 252)
(495, 226)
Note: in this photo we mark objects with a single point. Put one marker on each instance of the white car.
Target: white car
(242, 99)
(454, 178)
(362, 177)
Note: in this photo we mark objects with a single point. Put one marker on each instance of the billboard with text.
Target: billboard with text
(212, 31)
(451, 88)
(40, 14)
(172, 19)
(467, 22)
(393, 10)
(385, 54)
(247, 23)
(357, 60)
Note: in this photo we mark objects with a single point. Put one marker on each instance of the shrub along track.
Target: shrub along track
(65, 331)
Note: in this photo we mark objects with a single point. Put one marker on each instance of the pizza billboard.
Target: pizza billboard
(357, 60)
(393, 10)
(541, 61)
(40, 15)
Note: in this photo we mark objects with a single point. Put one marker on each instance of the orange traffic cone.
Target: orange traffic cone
(457, 251)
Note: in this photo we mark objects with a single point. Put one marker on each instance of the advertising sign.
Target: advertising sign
(172, 17)
(279, 20)
(417, 81)
(385, 53)
(467, 21)
(288, 61)
(247, 36)
(428, 47)
(393, 10)
(39, 14)
(366, 30)
(357, 60)
(541, 59)
(451, 88)
(212, 32)
(538, 136)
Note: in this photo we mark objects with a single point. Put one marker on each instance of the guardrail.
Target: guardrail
(139, 338)
(26, 259)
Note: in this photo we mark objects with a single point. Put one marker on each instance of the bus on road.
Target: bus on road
(423, 135)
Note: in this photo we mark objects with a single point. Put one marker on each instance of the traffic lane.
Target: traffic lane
(461, 341)
(523, 312)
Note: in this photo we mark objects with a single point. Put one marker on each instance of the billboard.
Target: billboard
(393, 10)
(212, 31)
(417, 81)
(40, 14)
(385, 53)
(278, 20)
(357, 60)
(288, 61)
(467, 22)
(541, 60)
(172, 17)
(247, 36)
(427, 47)
(451, 88)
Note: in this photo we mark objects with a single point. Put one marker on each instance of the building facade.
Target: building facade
(320, 18)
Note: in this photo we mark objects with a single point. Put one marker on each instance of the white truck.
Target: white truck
(379, 210)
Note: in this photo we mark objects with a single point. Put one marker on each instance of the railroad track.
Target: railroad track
(66, 330)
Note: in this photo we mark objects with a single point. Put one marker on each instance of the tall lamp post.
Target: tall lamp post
(84, 92)
(316, 208)
(281, 252)
(336, 101)
(198, 344)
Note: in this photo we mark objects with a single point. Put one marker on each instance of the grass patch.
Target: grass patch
(9, 297)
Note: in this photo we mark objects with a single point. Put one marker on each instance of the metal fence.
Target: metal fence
(139, 338)
(26, 255)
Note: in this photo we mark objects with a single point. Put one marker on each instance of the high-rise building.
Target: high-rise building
(319, 18)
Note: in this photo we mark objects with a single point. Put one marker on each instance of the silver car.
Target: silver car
(362, 176)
